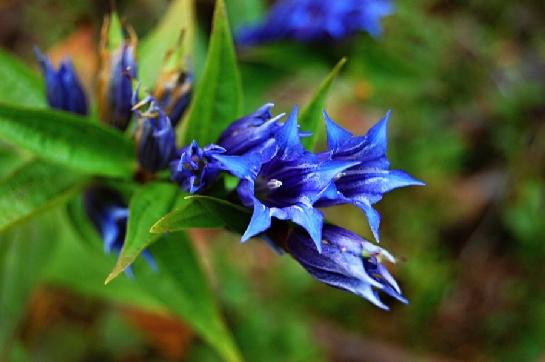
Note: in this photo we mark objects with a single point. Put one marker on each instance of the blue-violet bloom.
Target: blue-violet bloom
(317, 20)
(346, 262)
(63, 88)
(115, 83)
(364, 184)
(155, 137)
(108, 213)
(195, 168)
(282, 180)
(250, 132)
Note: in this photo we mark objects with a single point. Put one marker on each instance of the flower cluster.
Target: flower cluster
(284, 185)
(280, 180)
(317, 20)
(117, 101)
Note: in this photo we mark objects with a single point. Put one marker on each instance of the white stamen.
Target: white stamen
(274, 184)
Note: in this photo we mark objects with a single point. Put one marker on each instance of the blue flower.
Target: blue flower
(63, 88)
(195, 167)
(317, 20)
(173, 93)
(346, 262)
(118, 70)
(364, 184)
(250, 132)
(282, 180)
(155, 137)
(108, 213)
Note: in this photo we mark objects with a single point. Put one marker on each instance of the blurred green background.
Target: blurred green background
(466, 83)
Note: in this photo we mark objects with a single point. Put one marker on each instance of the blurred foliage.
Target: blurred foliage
(466, 83)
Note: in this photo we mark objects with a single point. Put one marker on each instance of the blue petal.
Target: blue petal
(307, 217)
(240, 166)
(287, 136)
(377, 136)
(336, 135)
(261, 221)
(373, 217)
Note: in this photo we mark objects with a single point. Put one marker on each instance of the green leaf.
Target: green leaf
(145, 207)
(218, 97)
(10, 160)
(204, 212)
(115, 32)
(311, 116)
(34, 187)
(24, 253)
(180, 16)
(245, 12)
(193, 300)
(179, 286)
(68, 139)
(19, 85)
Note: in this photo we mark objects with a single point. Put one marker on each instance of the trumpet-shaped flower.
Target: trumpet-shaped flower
(346, 262)
(283, 181)
(155, 137)
(250, 132)
(108, 213)
(195, 167)
(317, 20)
(365, 183)
(118, 70)
(63, 88)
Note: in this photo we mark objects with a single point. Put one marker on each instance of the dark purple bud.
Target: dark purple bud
(63, 88)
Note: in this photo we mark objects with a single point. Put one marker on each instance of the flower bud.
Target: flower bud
(63, 88)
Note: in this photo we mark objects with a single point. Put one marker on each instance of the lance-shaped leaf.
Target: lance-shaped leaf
(204, 212)
(24, 253)
(34, 187)
(193, 300)
(218, 98)
(145, 207)
(19, 85)
(311, 116)
(179, 17)
(179, 286)
(68, 139)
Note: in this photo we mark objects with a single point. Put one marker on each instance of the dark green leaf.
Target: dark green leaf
(179, 286)
(34, 187)
(311, 116)
(68, 139)
(24, 253)
(19, 85)
(179, 17)
(204, 212)
(245, 12)
(146, 206)
(218, 98)
(11, 159)
(193, 300)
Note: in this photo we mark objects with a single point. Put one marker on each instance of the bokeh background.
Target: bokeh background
(466, 83)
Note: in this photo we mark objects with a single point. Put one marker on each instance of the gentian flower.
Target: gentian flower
(195, 167)
(155, 137)
(282, 180)
(118, 69)
(250, 132)
(346, 262)
(63, 88)
(365, 183)
(317, 20)
(108, 213)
